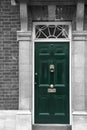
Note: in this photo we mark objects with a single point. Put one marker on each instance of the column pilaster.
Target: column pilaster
(24, 16)
(24, 40)
(80, 15)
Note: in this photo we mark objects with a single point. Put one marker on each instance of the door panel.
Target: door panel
(59, 101)
(52, 82)
(43, 102)
(60, 72)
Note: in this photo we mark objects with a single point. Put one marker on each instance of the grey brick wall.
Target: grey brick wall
(9, 76)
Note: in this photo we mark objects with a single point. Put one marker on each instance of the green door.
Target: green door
(52, 82)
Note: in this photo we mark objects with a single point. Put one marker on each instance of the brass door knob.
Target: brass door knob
(51, 86)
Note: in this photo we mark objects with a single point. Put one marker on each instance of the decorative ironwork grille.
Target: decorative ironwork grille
(51, 31)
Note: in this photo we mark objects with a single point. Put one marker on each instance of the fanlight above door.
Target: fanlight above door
(52, 31)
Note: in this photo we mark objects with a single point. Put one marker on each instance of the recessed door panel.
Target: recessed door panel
(52, 82)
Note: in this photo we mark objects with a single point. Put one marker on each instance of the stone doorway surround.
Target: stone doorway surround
(21, 119)
(79, 91)
(24, 41)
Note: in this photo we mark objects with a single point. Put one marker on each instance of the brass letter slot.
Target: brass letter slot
(51, 90)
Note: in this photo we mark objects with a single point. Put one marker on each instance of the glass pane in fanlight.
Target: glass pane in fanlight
(52, 31)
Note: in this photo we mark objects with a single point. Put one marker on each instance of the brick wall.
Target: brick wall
(9, 76)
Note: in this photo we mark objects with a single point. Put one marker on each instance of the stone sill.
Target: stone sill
(80, 113)
(15, 112)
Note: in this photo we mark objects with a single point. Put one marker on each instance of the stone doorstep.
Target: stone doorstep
(51, 127)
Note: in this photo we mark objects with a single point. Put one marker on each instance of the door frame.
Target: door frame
(33, 62)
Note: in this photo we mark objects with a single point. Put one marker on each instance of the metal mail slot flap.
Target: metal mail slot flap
(51, 90)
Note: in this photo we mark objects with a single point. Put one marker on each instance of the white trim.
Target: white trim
(33, 84)
(51, 40)
(70, 59)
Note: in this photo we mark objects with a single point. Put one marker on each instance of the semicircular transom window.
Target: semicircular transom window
(52, 31)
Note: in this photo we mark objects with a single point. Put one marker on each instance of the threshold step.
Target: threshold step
(51, 127)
